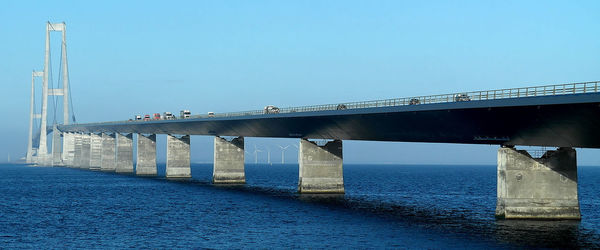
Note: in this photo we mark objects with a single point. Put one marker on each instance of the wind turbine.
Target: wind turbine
(256, 154)
(269, 155)
(282, 153)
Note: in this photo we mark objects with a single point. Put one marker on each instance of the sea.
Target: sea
(385, 206)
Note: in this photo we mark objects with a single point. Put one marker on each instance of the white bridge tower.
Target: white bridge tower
(43, 157)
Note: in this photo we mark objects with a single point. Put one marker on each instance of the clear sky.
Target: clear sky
(142, 57)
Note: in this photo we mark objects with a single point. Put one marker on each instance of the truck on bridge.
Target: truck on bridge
(184, 114)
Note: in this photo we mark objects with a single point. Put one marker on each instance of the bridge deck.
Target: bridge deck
(569, 120)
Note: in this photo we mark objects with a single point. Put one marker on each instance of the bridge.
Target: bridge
(563, 116)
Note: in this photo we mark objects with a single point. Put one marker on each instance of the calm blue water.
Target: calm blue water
(385, 206)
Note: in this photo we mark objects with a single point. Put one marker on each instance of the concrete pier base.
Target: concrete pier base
(321, 168)
(57, 147)
(68, 149)
(124, 154)
(178, 157)
(85, 151)
(95, 152)
(146, 155)
(108, 161)
(229, 161)
(43, 160)
(537, 188)
(77, 150)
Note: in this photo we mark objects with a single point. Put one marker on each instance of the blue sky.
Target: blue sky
(141, 57)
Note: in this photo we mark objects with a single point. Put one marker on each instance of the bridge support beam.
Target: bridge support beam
(321, 168)
(85, 151)
(178, 157)
(124, 153)
(146, 155)
(68, 149)
(95, 151)
(108, 161)
(229, 161)
(77, 150)
(57, 147)
(537, 188)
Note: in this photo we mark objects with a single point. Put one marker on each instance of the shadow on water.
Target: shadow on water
(529, 233)
(561, 234)
(522, 233)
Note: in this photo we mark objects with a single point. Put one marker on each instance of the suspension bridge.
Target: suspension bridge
(560, 116)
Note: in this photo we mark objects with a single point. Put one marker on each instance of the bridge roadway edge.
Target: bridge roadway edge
(516, 121)
(560, 121)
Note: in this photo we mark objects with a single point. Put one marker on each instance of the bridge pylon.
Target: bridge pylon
(31, 150)
(43, 157)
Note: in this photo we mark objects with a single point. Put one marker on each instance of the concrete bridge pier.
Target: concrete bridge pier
(108, 161)
(95, 151)
(321, 168)
(85, 151)
(124, 153)
(537, 188)
(229, 161)
(146, 155)
(57, 146)
(178, 157)
(77, 150)
(68, 154)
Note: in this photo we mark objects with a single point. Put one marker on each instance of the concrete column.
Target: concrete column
(321, 168)
(146, 155)
(65, 148)
(108, 162)
(42, 149)
(57, 137)
(65, 76)
(537, 188)
(29, 156)
(68, 149)
(77, 150)
(229, 161)
(124, 153)
(95, 151)
(85, 151)
(178, 157)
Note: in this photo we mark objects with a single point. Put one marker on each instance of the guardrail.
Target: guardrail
(548, 90)
(559, 89)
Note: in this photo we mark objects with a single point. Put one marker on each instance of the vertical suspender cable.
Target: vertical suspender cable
(69, 90)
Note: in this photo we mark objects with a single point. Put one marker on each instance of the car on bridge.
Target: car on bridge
(138, 117)
(270, 109)
(462, 97)
(168, 116)
(414, 101)
(146, 117)
(211, 114)
(156, 116)
(341, 107)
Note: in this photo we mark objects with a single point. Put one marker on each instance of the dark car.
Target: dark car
(461, 97)
(270, 109)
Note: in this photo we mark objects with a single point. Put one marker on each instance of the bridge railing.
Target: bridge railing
(558, 89)
(549, 90)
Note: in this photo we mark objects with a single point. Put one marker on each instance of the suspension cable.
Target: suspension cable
(69, 90)
(58, 81)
